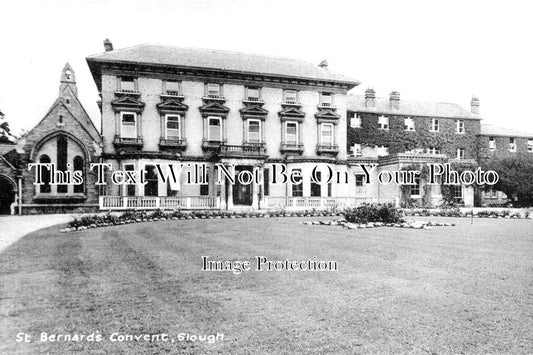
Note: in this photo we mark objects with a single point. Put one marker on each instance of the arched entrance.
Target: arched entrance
(7, 194)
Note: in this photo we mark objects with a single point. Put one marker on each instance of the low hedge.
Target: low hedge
(384, 213)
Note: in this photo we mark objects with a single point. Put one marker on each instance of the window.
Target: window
(326, 134)
(434, 125)
(128, 127)
(383, 122)
(254, 131)
(298, 190)
(512, 145)
(67, 100)
(173, 88)
(415, 189)
(530, 145)
(46, 187)
(433, 150)
(214, 132)
(355, 121)
(68, 74)
(204, 188)
(409, 124)
(459, 126)
(213, 90)
(492, 143)
(326, 99)
(78, 165)
(316, 187)
(290, 96)
(359, 184)
(457, 192)
(291, 133)
(60, 119)
(172, 127)
(356, 150)
(152, 182)
(266, 184)
(383, 151)
(62, 153)
(127, 84)
(460, 153)
(130, 188)
(252, 94)
(330, 189)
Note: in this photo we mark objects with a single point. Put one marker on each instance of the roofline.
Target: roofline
(524, 135)
(92, 60)
(399, 113)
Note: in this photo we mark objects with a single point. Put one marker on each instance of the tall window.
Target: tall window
(152, 182)
(512, 145)
(383, 122)
(326, 99)
(213, 90)
(204, 188)
(415, 189)
(62, 161)
(492, 143)
(254, 131)
(409, 124)
(460, 153)
(457, 192)
(266, 184)
(434, 125)
(290, 96)
(326, 134)
(298, 190)
(355, 121)
(78, 165)
(46, 187)
(459, 126)
(252, 94)
(130, 188)
(172, 127)
(316, 187)
(291, 133)
(128, 126)
(359, 184)
(214, 132)
(127, 84)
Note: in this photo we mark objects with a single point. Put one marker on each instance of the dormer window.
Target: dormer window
(213, 90)
(253, 94)
(127, 84)
(290, 96)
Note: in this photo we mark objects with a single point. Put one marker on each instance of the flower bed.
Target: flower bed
(404, 224)
(470, 212)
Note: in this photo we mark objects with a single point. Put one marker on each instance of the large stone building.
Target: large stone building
(165, 105)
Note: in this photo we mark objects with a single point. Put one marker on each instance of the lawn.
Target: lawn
(462, 289)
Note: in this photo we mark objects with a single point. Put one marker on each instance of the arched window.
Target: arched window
(78, 165)
(46, 188)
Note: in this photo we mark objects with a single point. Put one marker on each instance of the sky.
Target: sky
(445, 51)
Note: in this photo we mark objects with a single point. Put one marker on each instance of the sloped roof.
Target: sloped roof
(356, 103)
(490, 130)
(220, 60)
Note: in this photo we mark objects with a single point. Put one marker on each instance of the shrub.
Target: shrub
(373, 213)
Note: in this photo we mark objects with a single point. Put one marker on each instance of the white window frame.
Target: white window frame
(435, 123)
(457, 188)
(433, 150)
(209, 118)
(356, 121)
(381, 124)
(492, 143)
(286, 134)
(460, 127)
(173, 82)
(512, 144)
(122, 113)
(166, 124)
(122, 81)
(530, 145)
(409, 124)
(207, 90)
(382, 151)
(461, 153)
(249, 98)
(285, 92)
(326, 94)
(357, 150)
(259, 140)
(322, 126)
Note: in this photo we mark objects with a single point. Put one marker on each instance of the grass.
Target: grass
(448, 290)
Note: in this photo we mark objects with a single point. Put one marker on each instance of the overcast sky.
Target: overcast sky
(427, 50)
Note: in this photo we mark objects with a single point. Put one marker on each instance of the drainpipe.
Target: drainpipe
(20, 194)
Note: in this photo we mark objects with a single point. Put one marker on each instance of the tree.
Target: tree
(516, 176)
(5, 132)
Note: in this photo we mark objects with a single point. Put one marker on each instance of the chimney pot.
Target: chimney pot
(474, 105)
(370, 98)
(394, 100)
(108, 45)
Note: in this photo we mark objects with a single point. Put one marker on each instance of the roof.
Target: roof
(220, 61)
(490, 130)
(410, 108)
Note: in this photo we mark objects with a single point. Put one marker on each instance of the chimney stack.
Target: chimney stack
(323, 64)
(394, 100)
(370, 98)
(474, 105)
(108, 45)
